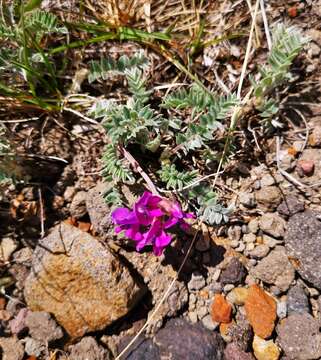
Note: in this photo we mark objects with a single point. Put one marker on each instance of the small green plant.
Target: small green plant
(287, 44)
(175, 179)
(24, 33)
(190, 120)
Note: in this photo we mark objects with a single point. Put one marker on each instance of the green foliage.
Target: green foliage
(113, 197)
(102, 68)
(207, 112)
(5, 157)
(287, 43)
(114, 167)
(216, 214)
(133, 122)
(175, 179)
(208, 208)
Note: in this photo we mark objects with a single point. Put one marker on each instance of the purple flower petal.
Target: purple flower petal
(170, 222)
(133, 233)
(161, 242)
(123, 216)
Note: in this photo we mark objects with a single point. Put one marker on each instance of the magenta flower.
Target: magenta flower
(147, 223)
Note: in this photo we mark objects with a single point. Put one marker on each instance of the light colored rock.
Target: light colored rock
(35, 347)
(253, 226)
(209, 323)
(12, 348)
(78, 205)
(79, 281)
(272, 224)
(237, 296)
(247, 199)
(259, 251)
(265, 350)
(275, 269)
(7, 247)
(249, 238)
(268, 198)
(197, 282)
(42, 327)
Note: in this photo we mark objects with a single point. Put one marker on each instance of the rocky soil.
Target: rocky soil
(250, 289)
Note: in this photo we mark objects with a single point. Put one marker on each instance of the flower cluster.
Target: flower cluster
(149, 220)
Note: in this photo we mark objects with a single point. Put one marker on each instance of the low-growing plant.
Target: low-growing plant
(186, 121)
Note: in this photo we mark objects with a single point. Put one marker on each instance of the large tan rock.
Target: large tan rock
(79, 281)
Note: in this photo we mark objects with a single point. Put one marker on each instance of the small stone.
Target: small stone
(42, 327)
(193, 317)
(78, 205)
(35, 347)
(247, 199)
(315, 137)
(241, 333)
(209, 323)
(237, 296)
(88, 348)
(18, 324)
(245, 229)
(299, 336)
(305, 167)
(270, 241)
(268, 198)
(12, 349)
(290, 206)
(253, 226)
(281, 309)
(181, 340)
(233, 352)
(202, 311)
(221, 310)
(249, 247)
(234, 273)
(297, 301)
(197, 282)
(267, 180)
(228, 287)
(234, 233)
(259, 251)
(272, 224)
(260, 311)
(265, 350)
(69, 193)
(275, 269)
(249, 238)
(7, 247)
(302, 242)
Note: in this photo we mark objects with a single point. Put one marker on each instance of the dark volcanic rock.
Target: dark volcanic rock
(182, 340)
(297, 300)
(290, 206)
(302, 242)
(234, 273)
(299, 337)
(142, 349)
(233, 352)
